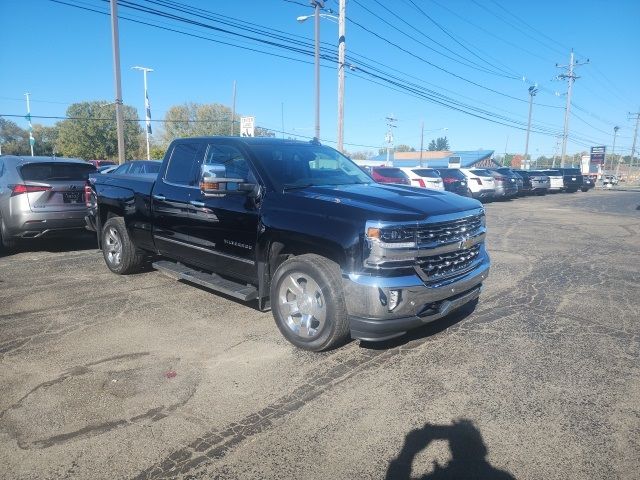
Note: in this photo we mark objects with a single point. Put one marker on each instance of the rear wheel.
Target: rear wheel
(308, 304)
(118, 250)
(6, 243)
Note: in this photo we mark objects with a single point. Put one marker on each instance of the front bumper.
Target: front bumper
(369, 307)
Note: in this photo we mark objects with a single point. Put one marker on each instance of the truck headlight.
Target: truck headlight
(392, 237)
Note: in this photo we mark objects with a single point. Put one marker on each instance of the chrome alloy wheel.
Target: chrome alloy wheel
(301, 303)
(113, 247)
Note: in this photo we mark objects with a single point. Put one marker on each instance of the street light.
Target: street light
(317, 5)
(532, 93)
(147, 106)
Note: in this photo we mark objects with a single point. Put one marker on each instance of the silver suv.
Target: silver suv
(40, 196)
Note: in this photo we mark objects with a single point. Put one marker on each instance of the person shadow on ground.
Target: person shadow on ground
(468, 454)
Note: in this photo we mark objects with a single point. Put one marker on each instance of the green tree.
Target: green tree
(404, 148)
(264, 132)
(442, 143)
(15, 140)
(156, 152)
(432, 146)
(45, 138)
(91, 131)
(360, 155)
(198, 119)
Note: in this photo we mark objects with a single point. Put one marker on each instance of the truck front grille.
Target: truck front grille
(448, 264)
(447, 232)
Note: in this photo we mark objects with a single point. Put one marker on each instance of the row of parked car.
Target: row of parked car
(485, 183)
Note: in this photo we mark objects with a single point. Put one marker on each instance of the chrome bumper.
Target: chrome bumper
(374, 316)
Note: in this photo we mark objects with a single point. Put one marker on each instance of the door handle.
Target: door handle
(162, 198)
(196, 203)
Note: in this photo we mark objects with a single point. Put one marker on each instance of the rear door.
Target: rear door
(55, 186)
(225, 227)
(170, 199)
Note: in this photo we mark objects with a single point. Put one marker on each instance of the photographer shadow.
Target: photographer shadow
(468, 454)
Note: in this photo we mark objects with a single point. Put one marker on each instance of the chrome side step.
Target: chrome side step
(211, 281)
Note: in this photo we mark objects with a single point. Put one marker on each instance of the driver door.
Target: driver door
(224, 227)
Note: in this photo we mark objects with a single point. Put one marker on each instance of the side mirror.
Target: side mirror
(214, 182)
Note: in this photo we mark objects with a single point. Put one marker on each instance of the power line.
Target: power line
(471, 63)
(511, 72)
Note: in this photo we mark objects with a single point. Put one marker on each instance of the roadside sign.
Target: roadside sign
(247, 126)
(598, 155)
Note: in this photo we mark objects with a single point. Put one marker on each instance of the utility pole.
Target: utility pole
(31, 139)
(233, 107)
(555, 151)
(389, 136)
(341, 53)
(613, 149)
(633, 145)
(317, 4)
(421, 141)
(532, 93)
(571, 77)
(115, 42)
(147, 107)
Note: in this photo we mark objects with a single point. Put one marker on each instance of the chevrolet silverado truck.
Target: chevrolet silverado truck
(299, 228)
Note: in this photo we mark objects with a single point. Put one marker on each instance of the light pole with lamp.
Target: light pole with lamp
(147, 106)
(532, 93)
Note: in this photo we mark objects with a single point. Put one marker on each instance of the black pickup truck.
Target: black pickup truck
(300, 229)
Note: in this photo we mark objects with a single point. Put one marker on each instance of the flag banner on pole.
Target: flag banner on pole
(148, 112)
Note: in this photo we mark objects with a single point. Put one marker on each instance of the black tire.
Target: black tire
(119, 252)
(6, 243)
(325, 295)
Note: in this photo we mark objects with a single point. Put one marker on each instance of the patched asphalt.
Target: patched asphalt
(144, 377)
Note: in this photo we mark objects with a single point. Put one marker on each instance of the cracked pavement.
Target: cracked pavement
(144, 377)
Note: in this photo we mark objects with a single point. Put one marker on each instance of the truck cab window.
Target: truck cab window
(231, 159)
(180, 168)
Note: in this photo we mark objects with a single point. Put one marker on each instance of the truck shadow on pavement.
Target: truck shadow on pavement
(468, 454)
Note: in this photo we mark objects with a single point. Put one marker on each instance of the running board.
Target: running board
(211, 281)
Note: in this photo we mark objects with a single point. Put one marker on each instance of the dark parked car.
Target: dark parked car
(298, 228)
(587, 183)
(390, 175)
(41, 196)
(533, 182)
(454, 181)
(572, 179)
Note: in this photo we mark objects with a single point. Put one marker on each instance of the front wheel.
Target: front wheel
(118, 250)
(308, 304)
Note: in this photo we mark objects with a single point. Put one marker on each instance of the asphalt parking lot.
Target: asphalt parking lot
(143, 377)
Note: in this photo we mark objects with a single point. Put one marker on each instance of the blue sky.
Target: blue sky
(476, 54)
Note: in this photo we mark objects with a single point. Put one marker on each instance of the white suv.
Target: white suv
(424, 177)
(480, 182)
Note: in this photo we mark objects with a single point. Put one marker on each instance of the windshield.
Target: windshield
(572, 171)
(552, 173)
(426, 172)
(481, 173)
(299, 165)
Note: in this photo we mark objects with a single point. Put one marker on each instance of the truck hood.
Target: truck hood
(383, 201)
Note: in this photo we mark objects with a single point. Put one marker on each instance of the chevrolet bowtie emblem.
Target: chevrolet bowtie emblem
(465, 244)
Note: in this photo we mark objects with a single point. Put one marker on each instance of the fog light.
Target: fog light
(395, 297)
